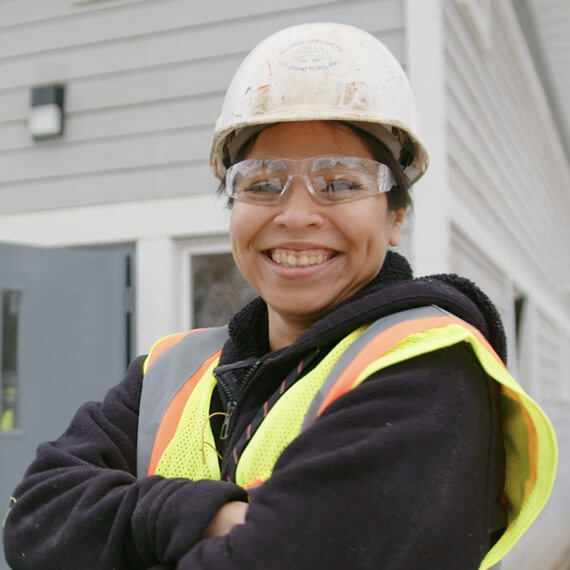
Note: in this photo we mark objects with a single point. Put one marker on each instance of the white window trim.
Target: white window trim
(528, 352)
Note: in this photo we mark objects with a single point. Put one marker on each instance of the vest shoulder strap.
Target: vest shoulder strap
(171, 362)
(353, 360)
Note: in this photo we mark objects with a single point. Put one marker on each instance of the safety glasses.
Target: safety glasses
(329, 179)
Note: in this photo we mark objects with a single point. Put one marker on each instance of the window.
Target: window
(519, 309)
(213, 289)
(218, 289)
(11, 301)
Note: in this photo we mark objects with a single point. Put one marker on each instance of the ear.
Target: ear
(397, 218)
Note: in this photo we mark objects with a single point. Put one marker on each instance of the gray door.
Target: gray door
(65, 338)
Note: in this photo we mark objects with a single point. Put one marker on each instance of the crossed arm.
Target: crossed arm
(395, 472)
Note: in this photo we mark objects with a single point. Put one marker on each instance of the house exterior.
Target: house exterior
(144, 81)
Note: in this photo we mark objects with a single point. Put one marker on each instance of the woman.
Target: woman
(349, 417)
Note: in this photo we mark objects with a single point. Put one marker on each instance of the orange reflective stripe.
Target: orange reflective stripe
(386, 340)
(531, 438)
(532, 442)
(171, 417)
(254, 484)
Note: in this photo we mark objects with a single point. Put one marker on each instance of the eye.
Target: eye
(337, 186)
(260, 188)
(263, 187)
(339, 190)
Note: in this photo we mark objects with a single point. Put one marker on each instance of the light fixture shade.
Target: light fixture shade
(46, 113)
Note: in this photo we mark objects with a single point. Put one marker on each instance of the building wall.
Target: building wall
(510, 205)
(144, 84)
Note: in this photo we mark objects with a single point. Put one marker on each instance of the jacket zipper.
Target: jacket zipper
(230, 406)
(231, 399)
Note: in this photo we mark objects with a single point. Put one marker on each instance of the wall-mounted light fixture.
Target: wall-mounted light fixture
(46, 112)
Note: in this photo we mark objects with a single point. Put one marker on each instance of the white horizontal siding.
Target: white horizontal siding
(144, 84)
(143, 151)
(549, 369)
(120, 88)
(552, 18)
(116, 121)
(50, 18)
(107, 187)
(510, 181)
(17, 12)
(467, 260)
(504, 159)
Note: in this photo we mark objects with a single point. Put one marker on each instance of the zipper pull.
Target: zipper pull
(225, 426)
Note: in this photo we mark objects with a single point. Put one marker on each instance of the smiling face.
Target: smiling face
(301, 256)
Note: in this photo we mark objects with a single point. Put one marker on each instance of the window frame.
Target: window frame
(185, 250)
(15, 344)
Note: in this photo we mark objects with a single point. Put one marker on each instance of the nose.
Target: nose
(297, 208)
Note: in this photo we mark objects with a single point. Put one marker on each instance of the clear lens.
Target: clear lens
(330, 179)
(258, 180)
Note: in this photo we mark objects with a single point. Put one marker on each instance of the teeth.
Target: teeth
(289, 259)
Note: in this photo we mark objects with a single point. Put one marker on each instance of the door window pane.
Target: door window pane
(9, 365)
(218, 289)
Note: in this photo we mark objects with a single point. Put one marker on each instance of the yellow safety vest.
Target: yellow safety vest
(175, 438)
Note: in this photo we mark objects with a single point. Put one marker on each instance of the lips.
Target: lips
(295, 258)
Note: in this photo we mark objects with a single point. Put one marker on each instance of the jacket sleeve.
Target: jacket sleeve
(80, 504)
(403, 473)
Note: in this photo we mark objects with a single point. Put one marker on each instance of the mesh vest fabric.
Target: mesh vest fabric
(191, 452)
(284, 421)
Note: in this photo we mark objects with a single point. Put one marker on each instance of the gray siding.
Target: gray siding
(504, 160)
(507, 167)
(144, 83)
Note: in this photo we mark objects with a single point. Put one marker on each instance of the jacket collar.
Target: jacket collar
(393, 289)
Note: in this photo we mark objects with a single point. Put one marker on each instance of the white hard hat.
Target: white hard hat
(321, 71)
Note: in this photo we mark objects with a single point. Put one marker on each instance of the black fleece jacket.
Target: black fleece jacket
(405, 472)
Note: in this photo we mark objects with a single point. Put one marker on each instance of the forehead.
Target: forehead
(302, 139)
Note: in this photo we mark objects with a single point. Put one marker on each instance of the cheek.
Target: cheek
(369, 226)
(239, 224)
(244, 226)
(236, 235)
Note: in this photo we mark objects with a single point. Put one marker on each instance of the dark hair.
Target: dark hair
(398, 197)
